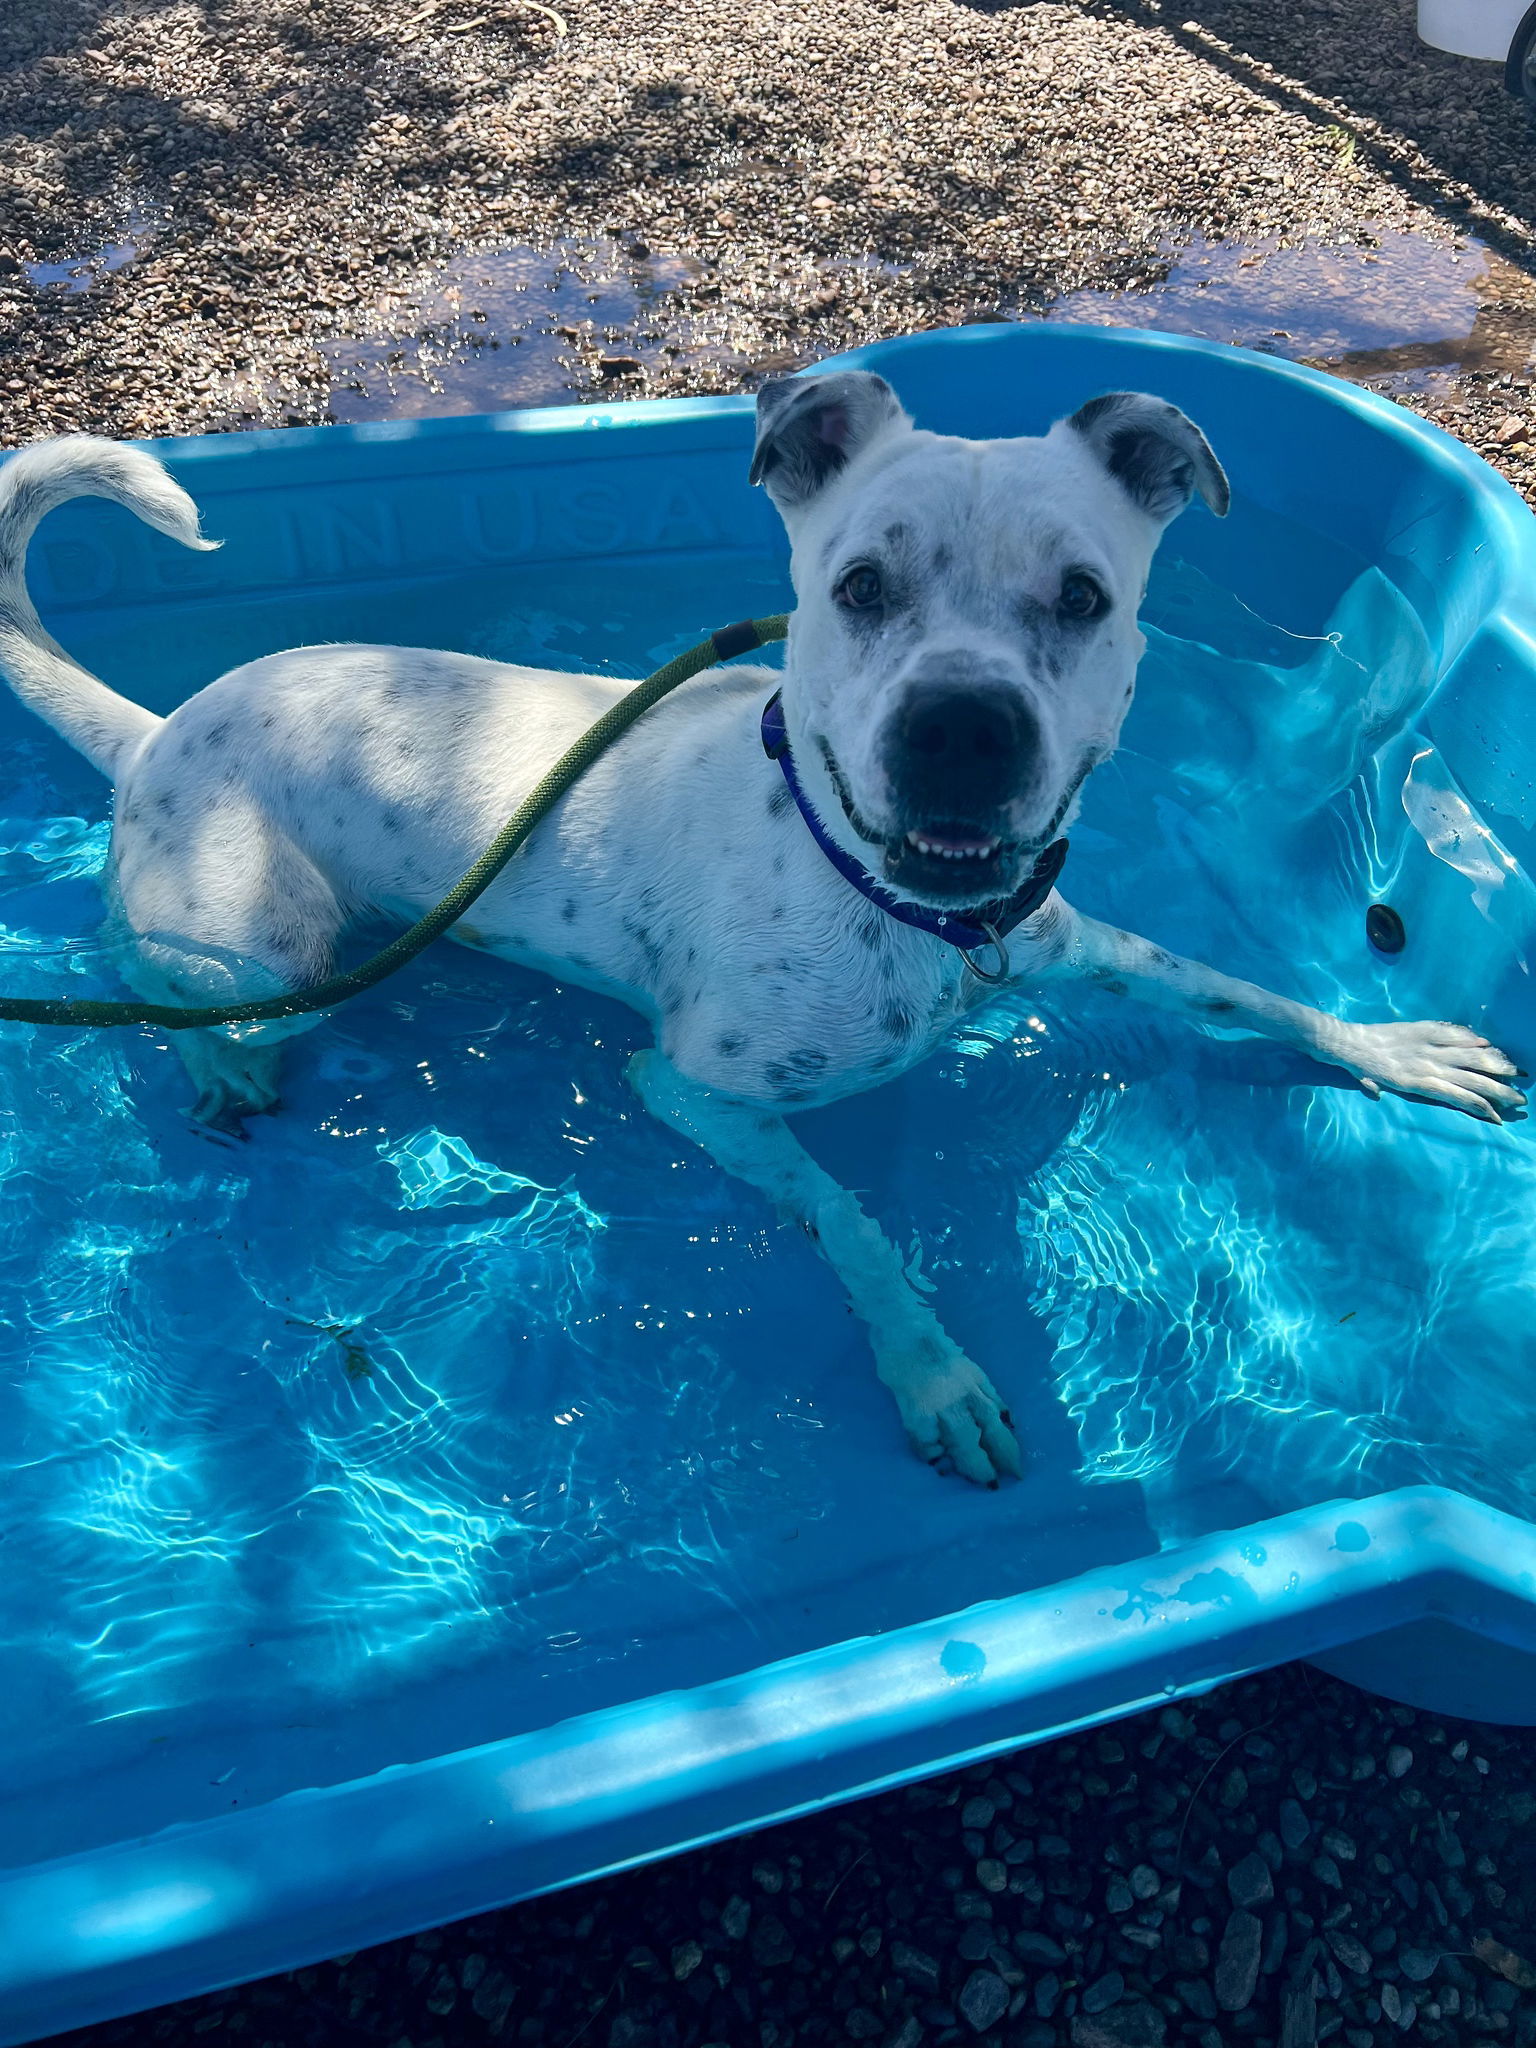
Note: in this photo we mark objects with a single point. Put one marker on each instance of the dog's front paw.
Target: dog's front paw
(952, 1415)
(1441, 1063)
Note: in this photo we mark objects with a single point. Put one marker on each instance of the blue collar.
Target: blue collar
(969, 934)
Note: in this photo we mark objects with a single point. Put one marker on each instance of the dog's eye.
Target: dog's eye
(1081, 598)
(860, 588)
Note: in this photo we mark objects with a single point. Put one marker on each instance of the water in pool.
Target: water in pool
(464, 1396)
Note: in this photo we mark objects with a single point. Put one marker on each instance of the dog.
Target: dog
(803, 879)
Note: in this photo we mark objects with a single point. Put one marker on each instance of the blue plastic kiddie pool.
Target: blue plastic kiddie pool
(464, 1489)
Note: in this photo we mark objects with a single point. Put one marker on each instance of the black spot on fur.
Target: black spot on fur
(896, 532)
(1111, 984)
(1215, 1006)
(268, 720)
(568, 909)
(898, 1020)
(166, 804)
(943, 556)
(867, 931)
(392, 821)
(780, 802)
(730, 1044)
(776, 915)
(216, 735)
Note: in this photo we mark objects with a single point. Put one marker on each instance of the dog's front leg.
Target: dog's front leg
(947, 1404)
(1431, 1062)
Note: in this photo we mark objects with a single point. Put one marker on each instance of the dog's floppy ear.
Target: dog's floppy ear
(1154, 450)
(810, 428)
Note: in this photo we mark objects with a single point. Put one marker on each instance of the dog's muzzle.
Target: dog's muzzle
(960, 760)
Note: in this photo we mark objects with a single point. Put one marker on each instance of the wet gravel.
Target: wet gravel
(295, 173)
(1285, 1862)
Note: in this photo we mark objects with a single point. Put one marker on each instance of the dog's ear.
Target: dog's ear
(810, 428)
(1155, 451)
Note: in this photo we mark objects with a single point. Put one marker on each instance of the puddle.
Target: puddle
(1402, 314)
(526, 326)
(76, 274)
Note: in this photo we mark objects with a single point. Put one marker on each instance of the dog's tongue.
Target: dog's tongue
(952, 848)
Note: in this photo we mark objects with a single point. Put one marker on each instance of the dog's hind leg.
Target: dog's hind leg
(236, 913)
(947, 1404)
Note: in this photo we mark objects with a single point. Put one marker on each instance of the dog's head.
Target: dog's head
(964, 644)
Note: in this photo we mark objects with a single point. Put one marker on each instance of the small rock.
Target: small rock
(861, 2024)
(1505, 1961)
(1298, 2016)
(920, 1969)
(1108, 1991)
(983, 2000)
(1392, 2003)
(1510, 428)
(1136, 2025)
(1249, 1882)
(1196, 1997)
(619, 366)
(1294, 1825)
(771, 1945)
(1353, 1954)
(1145, 1881)
(1399, 1760)
(1326, 1871)
(768, 1877)
(1118, 1896)
(1056, 1847)
(736, 1918)
(686, 1958)
(908, 2035)
(1237, 1965)
(991, 1875)
(1047, 1994)
(1418, 1965)
(1030, 1946)
(978, 1813)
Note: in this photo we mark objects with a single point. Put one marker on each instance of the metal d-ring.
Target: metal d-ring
(995, 941)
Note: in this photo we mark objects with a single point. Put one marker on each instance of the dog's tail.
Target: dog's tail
(107, 729)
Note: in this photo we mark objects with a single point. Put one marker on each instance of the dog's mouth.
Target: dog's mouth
(953, 862)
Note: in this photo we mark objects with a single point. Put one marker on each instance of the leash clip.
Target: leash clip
(996, 942)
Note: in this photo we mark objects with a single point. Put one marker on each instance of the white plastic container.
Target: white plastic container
(1471, 28)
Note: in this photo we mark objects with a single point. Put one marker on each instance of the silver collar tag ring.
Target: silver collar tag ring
(995, 941)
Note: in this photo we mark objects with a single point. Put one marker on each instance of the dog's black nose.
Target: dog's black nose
(956, 750)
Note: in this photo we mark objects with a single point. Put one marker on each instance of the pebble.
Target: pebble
(736, 1918)
(978, 1813)
(1353, 1954)
(1249, 1882)
(1131, 2025)
(1105, 1992)
(1417, 1964)
(1399, 1760)
(991, 1875)
(686, 1958)
(920, 1969)
(1031, 1946)
(983, 2000)
(1237, 1964)
(1145, 1881)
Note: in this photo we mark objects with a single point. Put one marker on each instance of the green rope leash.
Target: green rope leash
(572, 765)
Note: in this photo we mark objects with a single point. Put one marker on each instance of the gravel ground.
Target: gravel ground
(298, 172)
(1284, 1862)
(238, 198)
